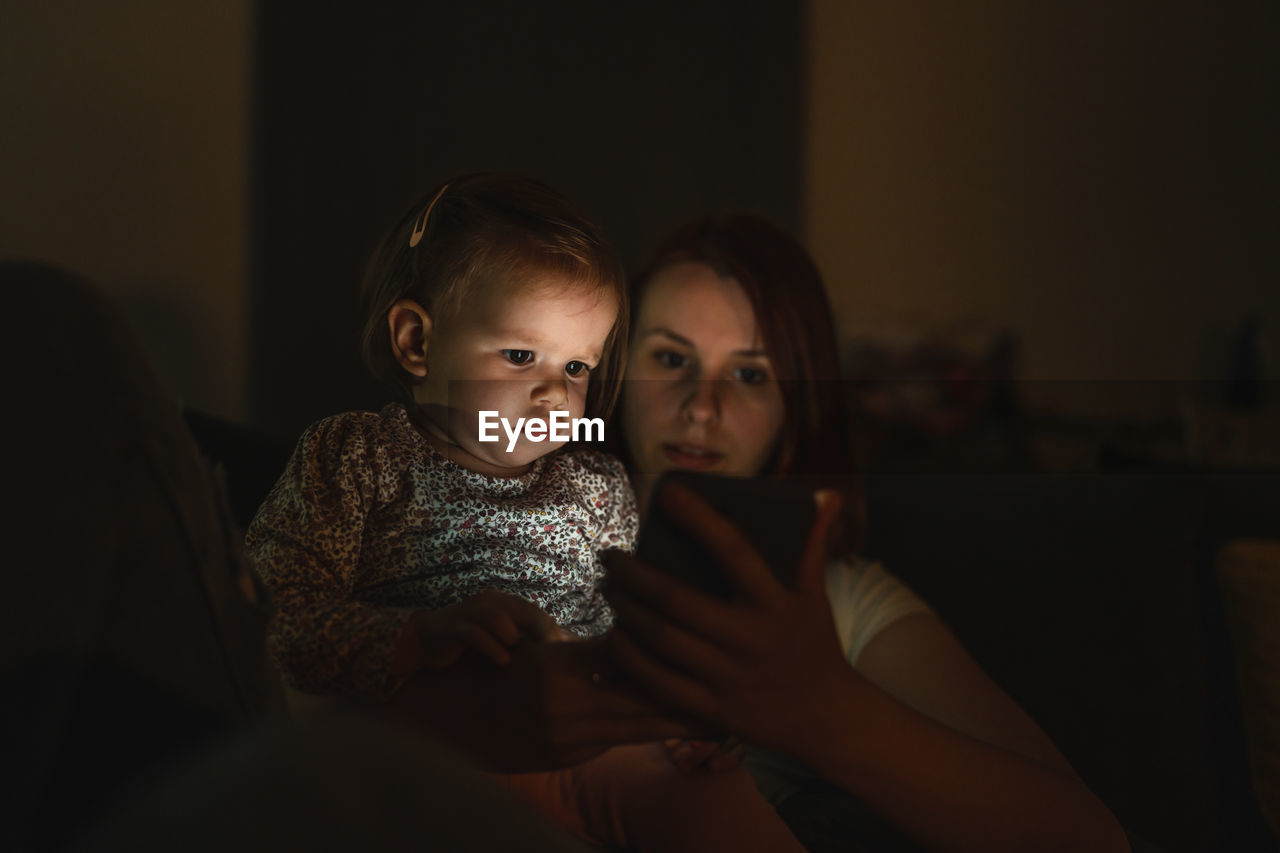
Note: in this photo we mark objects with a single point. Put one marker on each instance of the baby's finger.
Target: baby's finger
(531, 620)
(487, 644)
(500, 624)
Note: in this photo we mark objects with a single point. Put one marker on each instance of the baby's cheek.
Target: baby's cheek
(577, 401)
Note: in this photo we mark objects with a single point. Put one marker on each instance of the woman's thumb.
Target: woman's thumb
(811, 574)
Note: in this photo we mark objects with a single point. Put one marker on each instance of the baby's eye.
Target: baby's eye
(750, 375)
(518, 356)
(669, 359)
(576, 368)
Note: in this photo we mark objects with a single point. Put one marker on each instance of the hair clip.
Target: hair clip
(420, 226)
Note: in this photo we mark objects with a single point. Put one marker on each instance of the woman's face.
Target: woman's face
(700, 391)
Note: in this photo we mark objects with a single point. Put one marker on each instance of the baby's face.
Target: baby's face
(523, 349)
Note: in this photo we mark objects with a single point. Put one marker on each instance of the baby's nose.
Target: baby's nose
(553, 393)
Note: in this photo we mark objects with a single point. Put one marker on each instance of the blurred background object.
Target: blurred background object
(935, 397)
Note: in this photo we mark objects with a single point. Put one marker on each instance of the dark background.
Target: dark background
(1095, 179)
(644, 115)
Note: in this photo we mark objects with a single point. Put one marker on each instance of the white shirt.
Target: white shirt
(865, 599)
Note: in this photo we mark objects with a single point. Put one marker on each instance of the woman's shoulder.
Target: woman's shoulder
(854, 576)
(865, 599)
(852, 568)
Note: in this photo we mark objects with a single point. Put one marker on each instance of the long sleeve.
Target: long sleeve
(306, 545)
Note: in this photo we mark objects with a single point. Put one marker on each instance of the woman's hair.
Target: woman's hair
(796, 323)
(482, 228)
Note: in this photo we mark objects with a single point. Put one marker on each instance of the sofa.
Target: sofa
(1092, 599)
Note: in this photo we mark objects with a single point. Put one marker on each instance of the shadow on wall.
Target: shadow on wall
(177, 337)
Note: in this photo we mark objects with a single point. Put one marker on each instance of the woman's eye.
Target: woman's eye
(750, 375)
(669, 359)
(576, 368)
(518, 356)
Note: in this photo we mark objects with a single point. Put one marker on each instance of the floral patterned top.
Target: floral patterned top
(369, 523)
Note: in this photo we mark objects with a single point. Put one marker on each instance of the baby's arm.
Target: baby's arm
(305, 543)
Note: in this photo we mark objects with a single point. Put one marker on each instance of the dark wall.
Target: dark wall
(644, 115)
(1097, 176)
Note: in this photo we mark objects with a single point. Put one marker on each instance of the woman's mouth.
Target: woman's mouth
(691, 456)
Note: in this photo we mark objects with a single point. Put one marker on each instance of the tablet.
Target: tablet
(774, 515)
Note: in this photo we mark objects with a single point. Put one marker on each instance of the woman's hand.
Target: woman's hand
(753, 666)
(491, 622)
(768, 667)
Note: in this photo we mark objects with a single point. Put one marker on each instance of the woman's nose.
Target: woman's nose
(702, 405)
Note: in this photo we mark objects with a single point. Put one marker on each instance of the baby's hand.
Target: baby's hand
(490, 622)
(689, 754)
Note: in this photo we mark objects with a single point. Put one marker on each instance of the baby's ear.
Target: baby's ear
(410, 326)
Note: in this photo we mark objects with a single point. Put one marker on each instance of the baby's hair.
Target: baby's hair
(489, 227)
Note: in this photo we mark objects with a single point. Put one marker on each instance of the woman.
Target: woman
(732, 348)
(731, 351)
